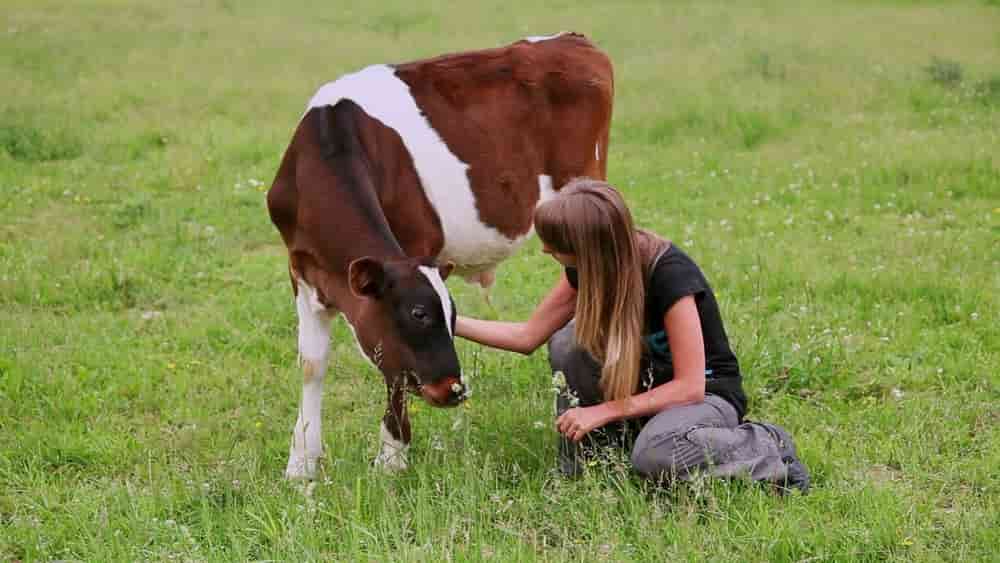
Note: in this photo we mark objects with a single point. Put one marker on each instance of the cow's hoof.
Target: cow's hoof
(301, 468)
(391, 462)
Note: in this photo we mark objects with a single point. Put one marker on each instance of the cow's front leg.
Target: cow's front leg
(314, 349)
(394, 434)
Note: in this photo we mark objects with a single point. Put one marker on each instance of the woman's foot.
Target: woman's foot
(797, 476)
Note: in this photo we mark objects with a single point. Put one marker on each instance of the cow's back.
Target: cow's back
(526, 118)
(489, 133)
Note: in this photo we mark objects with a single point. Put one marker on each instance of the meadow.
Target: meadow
(834, 166)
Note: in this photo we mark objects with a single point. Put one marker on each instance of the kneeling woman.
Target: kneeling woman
(635, 328)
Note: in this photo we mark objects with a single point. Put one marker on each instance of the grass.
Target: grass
(841, 194)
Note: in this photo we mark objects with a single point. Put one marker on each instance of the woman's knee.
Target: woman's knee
(582, 373)
(562, 346)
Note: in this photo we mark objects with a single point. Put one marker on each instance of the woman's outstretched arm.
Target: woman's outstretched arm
(554, 311)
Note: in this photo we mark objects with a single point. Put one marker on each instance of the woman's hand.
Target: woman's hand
(576, 423)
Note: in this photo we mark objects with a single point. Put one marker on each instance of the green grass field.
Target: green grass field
(834, 167)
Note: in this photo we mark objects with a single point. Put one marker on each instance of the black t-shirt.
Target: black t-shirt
(675, 276)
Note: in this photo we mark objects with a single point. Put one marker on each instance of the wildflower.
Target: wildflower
(558, 380)
(574, 401)
(436, 443)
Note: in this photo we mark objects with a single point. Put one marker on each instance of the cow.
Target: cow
(398, 175)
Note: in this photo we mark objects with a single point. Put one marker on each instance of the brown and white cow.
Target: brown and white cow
(397, 173)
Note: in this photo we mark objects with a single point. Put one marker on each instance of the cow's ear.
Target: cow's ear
(367, 277)
(445, 269)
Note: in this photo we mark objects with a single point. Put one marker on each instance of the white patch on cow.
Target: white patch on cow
(468, 242)
(437, 283)
(314, 348)
(545, 190)
(537, 38)
(597, 151)
(483, 271)
(393, 453)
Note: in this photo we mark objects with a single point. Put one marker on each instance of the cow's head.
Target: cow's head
(407, 323)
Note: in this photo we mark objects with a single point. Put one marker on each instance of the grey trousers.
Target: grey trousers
(680, 441)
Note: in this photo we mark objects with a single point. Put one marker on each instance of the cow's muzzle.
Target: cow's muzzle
(445, 392)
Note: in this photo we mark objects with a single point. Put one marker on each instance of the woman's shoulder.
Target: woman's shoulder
(651, 246)
(674, 265)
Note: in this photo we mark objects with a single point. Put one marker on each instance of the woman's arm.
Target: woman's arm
(687, 347)
(555, 310)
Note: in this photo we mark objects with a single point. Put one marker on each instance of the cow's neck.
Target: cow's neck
(341, 130)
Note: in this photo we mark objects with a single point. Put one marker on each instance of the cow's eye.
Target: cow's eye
(419, 313)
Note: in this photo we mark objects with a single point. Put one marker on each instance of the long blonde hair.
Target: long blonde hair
(589, 220)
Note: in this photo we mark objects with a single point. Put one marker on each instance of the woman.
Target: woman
(635, 328)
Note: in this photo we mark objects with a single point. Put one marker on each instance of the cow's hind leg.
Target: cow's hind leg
(314, 349)
(394, 434)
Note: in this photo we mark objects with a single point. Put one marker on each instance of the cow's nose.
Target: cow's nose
(447, 392)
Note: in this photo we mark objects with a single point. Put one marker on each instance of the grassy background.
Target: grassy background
(833, 166)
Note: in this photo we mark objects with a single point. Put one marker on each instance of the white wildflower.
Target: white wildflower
(558, 380)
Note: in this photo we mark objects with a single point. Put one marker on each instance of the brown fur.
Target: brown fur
(515, 112)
